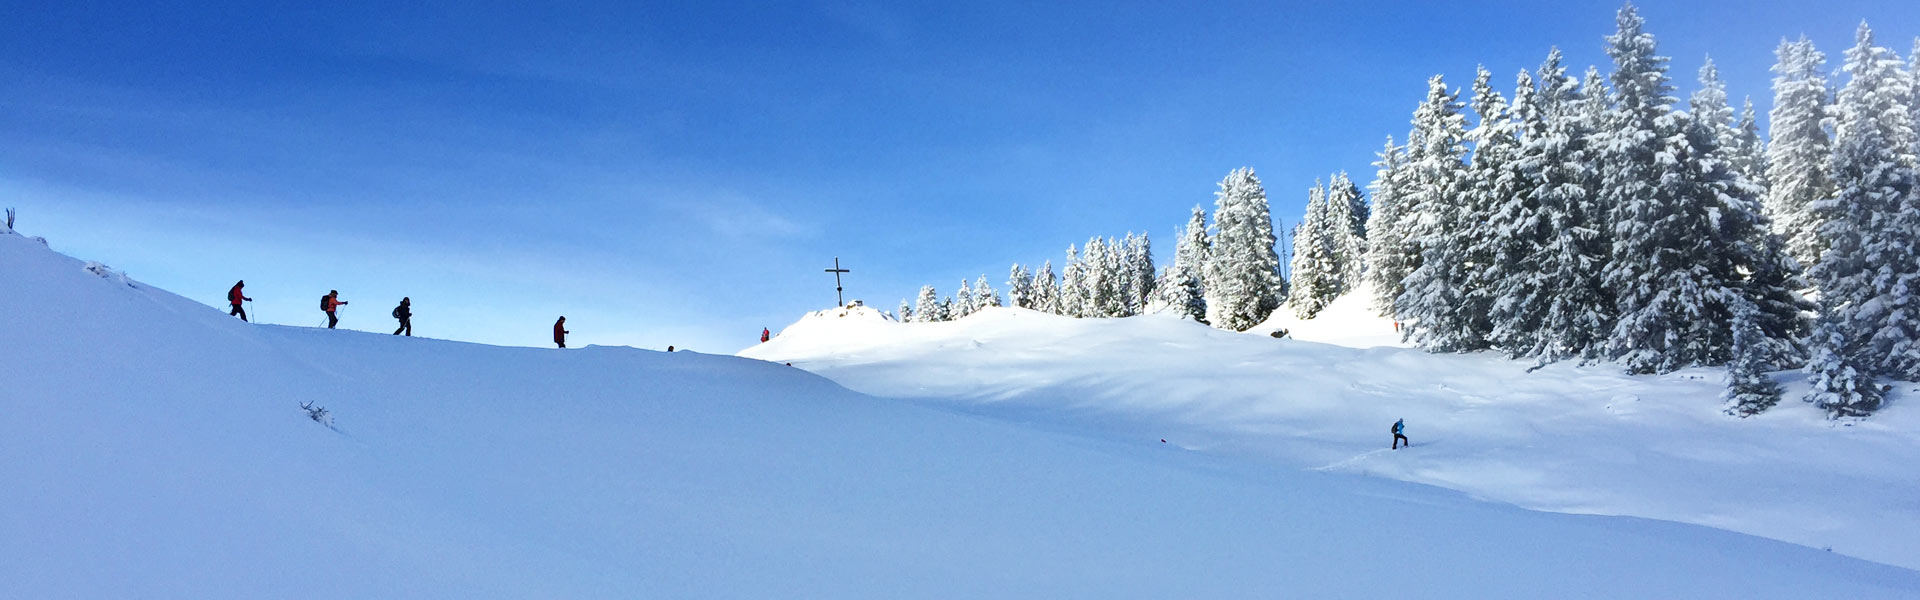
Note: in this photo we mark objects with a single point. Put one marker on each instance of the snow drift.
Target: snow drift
(155, 448)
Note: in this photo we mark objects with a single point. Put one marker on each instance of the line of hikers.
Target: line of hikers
(331, 303)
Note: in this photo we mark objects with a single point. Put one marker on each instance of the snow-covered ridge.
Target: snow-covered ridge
(1565, 438)
(155, 448)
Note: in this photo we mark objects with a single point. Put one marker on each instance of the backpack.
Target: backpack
(396, 312)
(323, 303)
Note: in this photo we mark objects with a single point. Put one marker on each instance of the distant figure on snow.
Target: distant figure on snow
(669, 348)
(1400, 427)
(234, 297)
(404, 312)
(765, 334)
(330, 302)
(560, 332)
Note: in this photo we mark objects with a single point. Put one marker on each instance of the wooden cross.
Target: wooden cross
(836, 271)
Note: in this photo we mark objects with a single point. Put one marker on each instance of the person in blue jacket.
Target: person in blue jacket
(1400, 427)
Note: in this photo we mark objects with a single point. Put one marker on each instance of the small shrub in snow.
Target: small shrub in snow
(1840, 386)
(108, 273)
(1749, 390)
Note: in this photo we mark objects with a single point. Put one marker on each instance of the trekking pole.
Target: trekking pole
(253, 313)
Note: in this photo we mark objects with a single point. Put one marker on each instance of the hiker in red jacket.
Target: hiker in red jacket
(234, 297)
(330, 302)
(765, 335)
(560, 332)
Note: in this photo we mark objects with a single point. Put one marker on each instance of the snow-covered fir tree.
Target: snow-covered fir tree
(1799, 152)
(1749, 390)
(1097, 273)
(1073, 286)
(1750, 255)
(1555, 305)
(1773, 286)
(1497, 206)
(1123, 274)
(1389, 256)
(1663, 266)
(1356, 206)
(905, 313)
(1838, 383)
(983, 294)
(1712, 109)
(1435, 299)
(1913, 102)
(1119, 278)
(1020, 287)
(1871, 266)
(1346, 216)
(963, 301)
(1138, 261)
(1181, 289)
(1113, 293)
(1518, 226)
(926, 308)
(1046, 289)
(1121, 252)
(1316, 277)
(1242, 275)
(1909, 146)
(1749, 152)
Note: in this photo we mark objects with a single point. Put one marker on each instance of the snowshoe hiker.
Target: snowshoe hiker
(560, 332)
(404, 312)
(328, 304)
(235, 297)
(1400, 427)
(765, 335)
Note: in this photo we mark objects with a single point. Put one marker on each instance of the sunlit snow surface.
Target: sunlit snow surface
(1565, 438)
(152, 447)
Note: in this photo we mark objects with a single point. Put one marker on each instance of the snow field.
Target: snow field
(1566, 438)
(155, 448)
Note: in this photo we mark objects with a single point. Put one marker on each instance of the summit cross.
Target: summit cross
(837, 290)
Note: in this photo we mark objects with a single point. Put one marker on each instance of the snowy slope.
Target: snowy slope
(1566, 439)
(1349, 320)
(155, 448)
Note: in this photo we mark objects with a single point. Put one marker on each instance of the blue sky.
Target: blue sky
(682, 173)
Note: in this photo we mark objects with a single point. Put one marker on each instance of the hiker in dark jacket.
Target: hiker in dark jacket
(1399, 427)
(234, 297)
(560, 332)
(328, 304)
(404, 312)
